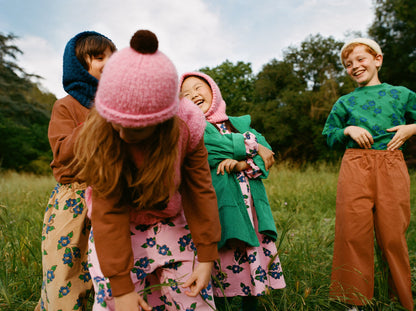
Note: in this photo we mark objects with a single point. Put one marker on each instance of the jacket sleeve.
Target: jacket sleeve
(200, 203)
(111, 233)
(64, 128)
(221, 147)
(335, 125)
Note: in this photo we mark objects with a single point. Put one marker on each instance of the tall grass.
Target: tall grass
(303, 205)
(22, 202)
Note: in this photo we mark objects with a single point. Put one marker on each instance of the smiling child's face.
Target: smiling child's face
(198, 91)
(362, 66)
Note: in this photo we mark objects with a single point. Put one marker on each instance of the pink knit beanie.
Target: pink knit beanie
(216, 113)
(139, 84)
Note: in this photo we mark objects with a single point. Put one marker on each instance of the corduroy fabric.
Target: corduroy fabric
(373, 196)
(216, 113)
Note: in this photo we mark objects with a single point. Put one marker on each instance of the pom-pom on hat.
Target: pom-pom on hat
(369, 42)
(139, 84)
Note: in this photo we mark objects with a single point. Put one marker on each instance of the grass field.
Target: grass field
(303, 204)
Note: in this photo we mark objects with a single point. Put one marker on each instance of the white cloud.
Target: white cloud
(193, 33)
(40, 58)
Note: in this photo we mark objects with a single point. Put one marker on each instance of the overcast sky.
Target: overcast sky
(193, 33)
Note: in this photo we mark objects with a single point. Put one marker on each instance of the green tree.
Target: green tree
(394, 29)
(293, 97)
(235, 83)
(24, 115)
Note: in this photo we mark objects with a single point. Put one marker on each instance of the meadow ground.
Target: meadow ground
(303, 204)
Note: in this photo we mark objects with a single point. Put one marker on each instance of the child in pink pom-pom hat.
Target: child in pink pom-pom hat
(142, 153)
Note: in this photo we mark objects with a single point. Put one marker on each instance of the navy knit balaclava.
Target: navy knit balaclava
(76, 79)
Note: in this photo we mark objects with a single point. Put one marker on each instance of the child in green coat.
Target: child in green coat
(239, 158)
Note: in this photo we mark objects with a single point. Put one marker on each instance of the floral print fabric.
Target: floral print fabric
(164, 257)
(66, 281)
(242, 270)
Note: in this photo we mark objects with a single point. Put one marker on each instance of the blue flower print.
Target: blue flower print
(64, 290)
(76, 252)
(100, 297)
(377, 110)
(164, 250)
(365, 107)
(351, 101)
(394, 93)
(150, 242)
(140, 274)
(267, 240)
(246, 290)
(223, 128)
(371, 103)
(184, 241)
(78, 304)
(235, 269)
(171, 264)
(252, 258)
(267, 252)
(382, 93)
(65, 240)
(67, 257)
(99, 279)
(241, 178)
(204, 292)
(71, 202)
(261, 274)
(193, 247)
(173, 284)
(81, 193)
(237, 254)
(144, 262)
(243, 259)
(50, 274)
(86, 277)
(165, 300)
(78, 210)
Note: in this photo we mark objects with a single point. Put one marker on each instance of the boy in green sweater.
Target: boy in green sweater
(373, 193)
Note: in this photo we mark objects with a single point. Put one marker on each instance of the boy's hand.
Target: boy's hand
(403, 133)
(267, 155)
(199, 279)
(131, 302)
(361, 136)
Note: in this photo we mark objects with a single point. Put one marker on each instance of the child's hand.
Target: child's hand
(403, 133)
(231, 165)
(131, 302)
(199, 278)
(361, 136)
(267, 155)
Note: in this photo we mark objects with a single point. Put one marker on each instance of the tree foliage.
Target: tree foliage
(289, 99)
(235, 83)
(24, 115)
(394, 28)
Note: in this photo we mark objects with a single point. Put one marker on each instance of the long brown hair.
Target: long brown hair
(105, 162)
